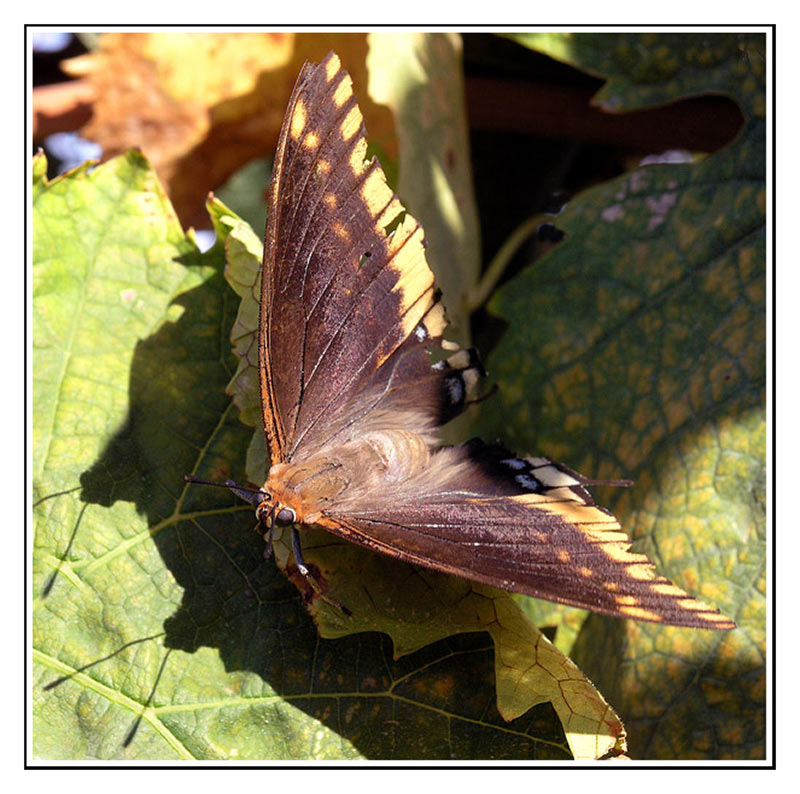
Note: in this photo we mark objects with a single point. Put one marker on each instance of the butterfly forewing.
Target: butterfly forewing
(344, 282)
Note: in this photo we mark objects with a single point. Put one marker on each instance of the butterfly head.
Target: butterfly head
(271, 514)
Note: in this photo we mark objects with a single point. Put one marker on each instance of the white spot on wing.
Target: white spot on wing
(470, 377)
(526, 481)
(459, 360)
(538, 462)
(515, 463)
(455, 390)
(555, 478)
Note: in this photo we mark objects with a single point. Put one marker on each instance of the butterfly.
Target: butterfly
(352, 403)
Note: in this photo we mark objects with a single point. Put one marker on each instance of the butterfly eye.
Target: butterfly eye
(286, 517)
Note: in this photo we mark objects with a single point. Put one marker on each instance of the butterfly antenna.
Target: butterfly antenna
(227, 484)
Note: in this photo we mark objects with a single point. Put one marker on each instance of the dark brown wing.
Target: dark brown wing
(533, 529)
(345, 281)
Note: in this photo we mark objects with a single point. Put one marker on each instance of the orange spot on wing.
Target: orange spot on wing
(298, 120)
(642, 614)
(332, 67)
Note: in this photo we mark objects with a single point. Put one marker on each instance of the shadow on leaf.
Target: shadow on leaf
(436, 703)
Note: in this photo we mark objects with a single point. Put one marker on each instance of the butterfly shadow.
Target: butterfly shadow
(181, 421)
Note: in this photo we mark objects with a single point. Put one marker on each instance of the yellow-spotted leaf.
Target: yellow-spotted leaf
(637, 348)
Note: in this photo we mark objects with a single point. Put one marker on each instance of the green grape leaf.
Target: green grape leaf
(636, 348)
(159, 629)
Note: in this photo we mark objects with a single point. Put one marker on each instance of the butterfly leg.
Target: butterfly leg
(268, 541)
(310, 578)
(266, 521)
(298, 556)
